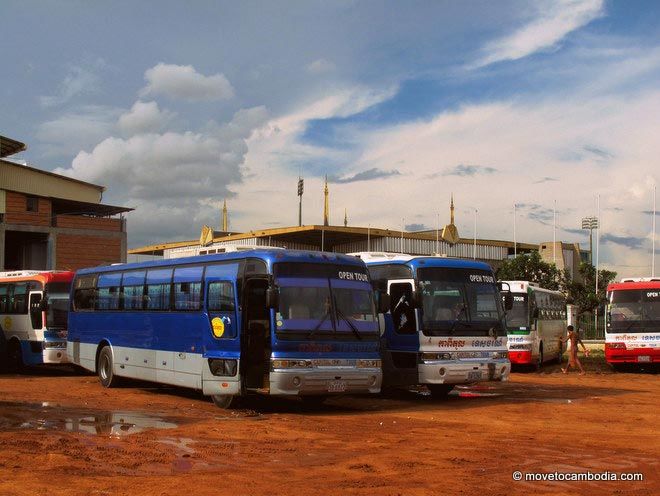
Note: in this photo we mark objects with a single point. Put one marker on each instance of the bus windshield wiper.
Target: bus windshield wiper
(458, 321)
(320, 323)
(348, 321)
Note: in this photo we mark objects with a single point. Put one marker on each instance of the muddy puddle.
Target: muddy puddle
(48, 416)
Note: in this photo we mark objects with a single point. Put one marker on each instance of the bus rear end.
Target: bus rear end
(632, 331)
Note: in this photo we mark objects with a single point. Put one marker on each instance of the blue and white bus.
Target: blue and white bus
(267, 321)
(445, 325)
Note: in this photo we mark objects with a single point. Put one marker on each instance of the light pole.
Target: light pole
(301, 187)
(590, 223)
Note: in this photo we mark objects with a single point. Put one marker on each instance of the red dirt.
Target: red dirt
(405, 443)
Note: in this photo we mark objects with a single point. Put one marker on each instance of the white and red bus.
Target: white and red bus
(34, 307)
(632, 332)
(535, 324)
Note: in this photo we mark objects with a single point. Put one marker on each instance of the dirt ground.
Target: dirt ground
(62, 433)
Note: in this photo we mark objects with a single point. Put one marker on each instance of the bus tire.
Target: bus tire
(440, 391)
(539, 359)
(104, 368)
(224, 401)
(15, 357)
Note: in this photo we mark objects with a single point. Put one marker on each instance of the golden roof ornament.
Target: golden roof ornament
(449, 232)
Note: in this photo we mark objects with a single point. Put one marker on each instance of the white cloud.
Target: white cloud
(184, 82)
(75, 131)
(551, 24)
(173, 179)
(144, 117)
(320, 66)
(78, 81)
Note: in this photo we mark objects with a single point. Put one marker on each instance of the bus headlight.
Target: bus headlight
(54, 344)
(291, 364)
(368, 364)
(223, 367)
(433, 357)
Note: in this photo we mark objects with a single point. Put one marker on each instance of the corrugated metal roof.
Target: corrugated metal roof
(9, 146)
(31, 181)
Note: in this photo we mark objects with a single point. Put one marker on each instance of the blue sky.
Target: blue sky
(175, 107)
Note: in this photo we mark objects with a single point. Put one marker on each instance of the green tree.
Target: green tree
(530, 267)
(583, 294)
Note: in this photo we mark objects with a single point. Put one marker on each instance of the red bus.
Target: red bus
(632, 331)
(34, 306)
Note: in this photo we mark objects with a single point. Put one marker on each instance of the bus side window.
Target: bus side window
(84, 294)
(221, 297)
(188, 288)
(159, 289)
(19, 301)
(108, 291)
(132, 289)
(4, 298)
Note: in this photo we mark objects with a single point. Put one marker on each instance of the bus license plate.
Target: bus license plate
(336, 386)
(644, 358)
(474, 376)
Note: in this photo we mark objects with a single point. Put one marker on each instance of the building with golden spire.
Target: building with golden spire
(326, 204)
(225, 218)
(449, 232)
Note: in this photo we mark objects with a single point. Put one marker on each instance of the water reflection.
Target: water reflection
(47, 416)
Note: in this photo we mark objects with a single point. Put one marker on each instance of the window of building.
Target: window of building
(32, 204)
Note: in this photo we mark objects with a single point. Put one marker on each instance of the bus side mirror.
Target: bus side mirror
(384, 302)
(508, 301)
(272, 297)
(535, 313)
(43, 304)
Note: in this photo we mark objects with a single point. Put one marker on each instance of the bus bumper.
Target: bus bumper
(521, 357)
(632, 355)
(55, 352)
(326, 380)
(463, 371)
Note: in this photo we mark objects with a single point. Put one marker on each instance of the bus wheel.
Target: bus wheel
(539, 360)
(224, 401)
(440, 391)
(15, 357)
(104, 369)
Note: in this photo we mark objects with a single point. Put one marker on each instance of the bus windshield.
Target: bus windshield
(459, 301)
(634, 310)
(57, 295)
(324, 302)
(518, 316)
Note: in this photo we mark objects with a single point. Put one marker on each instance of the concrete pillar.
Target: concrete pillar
(51, 256)
(2, 247)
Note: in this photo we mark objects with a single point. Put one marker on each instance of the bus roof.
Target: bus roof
(44, 276)
(628, 284)
(270, 256)
(380, 258)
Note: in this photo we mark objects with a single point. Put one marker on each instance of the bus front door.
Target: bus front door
(222, 345)
(401, 343)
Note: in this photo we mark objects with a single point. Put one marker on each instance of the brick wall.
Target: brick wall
(16, 210)
(76, 252)
(84, 222)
